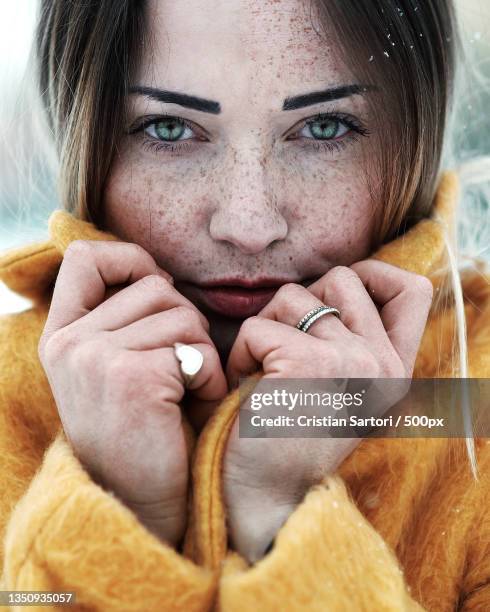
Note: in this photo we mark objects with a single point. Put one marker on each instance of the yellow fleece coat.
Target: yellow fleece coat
(401, 525)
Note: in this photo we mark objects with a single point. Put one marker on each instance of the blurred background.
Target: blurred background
(28, 163)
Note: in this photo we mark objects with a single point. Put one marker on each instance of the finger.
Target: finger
(208, 384)
(179, 324)
(256, 343)
(341, 287)
(87, 269)
(149, 295)
(292, 302)
(404, 299)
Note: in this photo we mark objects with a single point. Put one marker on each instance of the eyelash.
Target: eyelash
(356, 130)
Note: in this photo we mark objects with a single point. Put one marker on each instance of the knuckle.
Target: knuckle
(138, 252)
(56, 346)
(188, 317)
(423, 286)
(289, 290)
(249, 324)
(78, 248)
(339, 278)
(366, 264)
(341, 274)
(155, 282)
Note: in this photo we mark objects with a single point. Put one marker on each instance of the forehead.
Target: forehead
(249, 48)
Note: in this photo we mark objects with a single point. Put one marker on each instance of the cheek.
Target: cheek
(153, 208)
(330, 207)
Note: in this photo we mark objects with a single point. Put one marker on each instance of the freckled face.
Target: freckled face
(253, 190)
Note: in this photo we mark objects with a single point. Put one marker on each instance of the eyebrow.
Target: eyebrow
(325, 95)
(173, 97)
(213, 107)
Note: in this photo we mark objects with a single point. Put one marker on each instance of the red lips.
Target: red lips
(236, 297)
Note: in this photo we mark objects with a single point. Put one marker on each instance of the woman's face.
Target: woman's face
(245, 179)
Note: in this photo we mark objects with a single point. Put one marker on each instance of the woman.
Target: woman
(226, 169)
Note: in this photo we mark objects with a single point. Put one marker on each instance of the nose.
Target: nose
(247, 214)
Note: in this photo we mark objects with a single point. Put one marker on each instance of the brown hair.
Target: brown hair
(86, 52)
(407, 50)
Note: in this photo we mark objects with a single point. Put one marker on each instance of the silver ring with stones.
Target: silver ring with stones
(313, 315)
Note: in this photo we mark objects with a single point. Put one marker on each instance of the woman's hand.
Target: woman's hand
(383, 315)
(115, 378)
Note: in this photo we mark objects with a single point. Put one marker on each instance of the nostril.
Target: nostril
(250, 238)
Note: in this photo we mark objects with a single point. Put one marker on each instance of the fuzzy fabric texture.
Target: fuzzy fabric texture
(402, 524)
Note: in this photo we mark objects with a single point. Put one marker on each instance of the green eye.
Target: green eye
(326, 129)
(169, 129)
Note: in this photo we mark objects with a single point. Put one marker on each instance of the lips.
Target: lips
(235, 298)
(237, 302)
